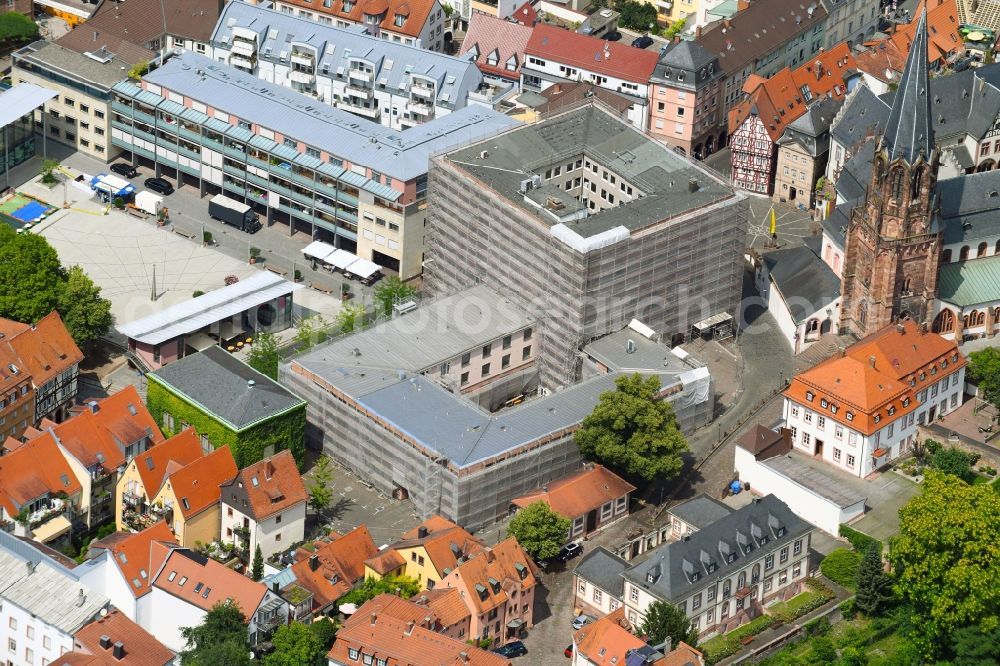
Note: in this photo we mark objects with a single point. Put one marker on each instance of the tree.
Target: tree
(294, 645)
(264, 356)
(823, 651)
(220, 639)
(634, 432)
(401, 586)
(675, 28)
(636, 15)
(873, 585)
(665, 620)
(310, 331)
(955, 461)
(325, 630)
(320, 493)
(945, 559)
(138, 70)
(31, 278)
(48, 170)
(972, 647)
(16, 27)
(392, 290)
(257, 569)
(540, 530)
(87, 316)
(984, 370)
(350, 318)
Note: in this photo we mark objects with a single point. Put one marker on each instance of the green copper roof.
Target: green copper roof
(971, 282)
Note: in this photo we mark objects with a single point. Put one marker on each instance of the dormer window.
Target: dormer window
(747, 548)
(823, 403)
(944, 364)
(493, 58)
(913, 382)
(850, 416)
(780, 532)
(695, 576)
(348, 6)
(398, 20)
(906, 402)
(810, 395)
(877, 418)
(892, 410)
(650, 577)
(954, 358)
(834, 408)
(933, 369)
(731, 558)
(712, 566)
(923, 376)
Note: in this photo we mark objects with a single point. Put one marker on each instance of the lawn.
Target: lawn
(794, 606)
(996, 485)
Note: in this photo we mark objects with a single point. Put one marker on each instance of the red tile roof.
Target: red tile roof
(100, 434)
(879, 373)
(526, 14)
(779, 100)
(447, 605)
(503, 563)
(183, 448)
(203, 582)
(943, 38)
(141, 648)
(444, 542)
(331, 571)
(385, 561)
(415, 11)
(197, 485)
(33, 470)
(271, 486)
(488, 34)
(401, 643)
(682, 655)
(135, 556)
(45, 349)
(579, 493)
(591, 53)
(606, 641)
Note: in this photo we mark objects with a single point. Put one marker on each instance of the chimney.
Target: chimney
(923, 327)
(741, 5)
(94, 408)
(275, 587)
(409, 627)
(726, 23)
(464, 656)
(490, 556)
(545, 488)
(693, 185)
(268, 470)
(313, 563)
(697, 32)
(119, 651)
(421, 532)
(900, 328)
(80, 598)
(871, 361)
(374, 617)
(819, 70)
(105, 642)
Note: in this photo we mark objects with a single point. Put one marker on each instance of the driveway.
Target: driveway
(887, 493)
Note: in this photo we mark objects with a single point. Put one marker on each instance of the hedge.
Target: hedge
(859, 540)
(718, 648)
(841, 566)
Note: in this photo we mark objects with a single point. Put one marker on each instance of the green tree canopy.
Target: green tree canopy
(220, 639)
(325, 630)
(391, 290)
(402, 586)
(31, 278)
(320, 493)
(87, 316)
(947, 558)
(294, 645)
(350, 318)
(955, 461)
(841, 566)
(636, 15)
(540, 530)
(874, 586)
(973, 647)
(264, 356)
(631, 431)
(675, 28)
(257, 569)
(16, 27)
(665, 620)
(984, 370)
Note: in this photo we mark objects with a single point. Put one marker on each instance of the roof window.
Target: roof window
(850, 416)
(810, 395)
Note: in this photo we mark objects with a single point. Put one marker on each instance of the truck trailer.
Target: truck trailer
(233, 213)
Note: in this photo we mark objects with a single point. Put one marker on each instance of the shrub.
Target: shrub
(841, 566)
(231, 279)
(818, 627)
(197, 293)
(847, 608)
(859, 540)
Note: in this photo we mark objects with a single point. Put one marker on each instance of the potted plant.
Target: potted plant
(206, 238)
(254, 254)
(298, 275)
(345, 291)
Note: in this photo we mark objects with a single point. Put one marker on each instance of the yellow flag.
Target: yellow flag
(774, 222)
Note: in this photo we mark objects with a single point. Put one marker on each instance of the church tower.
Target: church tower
(893, 243)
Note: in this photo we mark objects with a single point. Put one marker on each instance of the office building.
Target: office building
(317, 169)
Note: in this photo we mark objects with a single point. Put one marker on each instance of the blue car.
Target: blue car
(515, 649)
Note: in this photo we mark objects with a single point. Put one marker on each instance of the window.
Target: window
(487, 349)
(465, 378)
(527, 333)
(466, 358)
(168, 421)
(821, 422)
(808, 417)
(352, 654)
(525, 353)
(696, 601)
(806, 439)
(98, 114)
(485, 369)
(838, 432)
(598, 596)
(633, 594)
(850, 460)
(783, 557)
(797, 547)
(795, 412)
(12, 623)
(505, 361)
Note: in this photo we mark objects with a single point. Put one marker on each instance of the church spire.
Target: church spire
(908, 131)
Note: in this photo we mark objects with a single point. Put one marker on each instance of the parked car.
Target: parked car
(643, 42)
(515, 649)
(582, 620)
(126, 170)
(159, 185)
(612, 36)
(568, 552)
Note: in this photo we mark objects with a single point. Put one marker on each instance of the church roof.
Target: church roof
(969, 207)
(968, 283)
(909, 126)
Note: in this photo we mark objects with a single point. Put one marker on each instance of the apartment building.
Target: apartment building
(17, 395)
(497, 46)
(767, 36)
(725, 573)
(685, 104)
(802, 153)
(394, 84)
(315, 168)
(419, 23)
(860, 411)
(853, 22)
(554, 54)
(47, 352)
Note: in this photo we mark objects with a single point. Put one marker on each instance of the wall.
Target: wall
(19, 407)
(273, 536)
(59, 642)
(796, 172)
(129, 477)
(594, 600)
(203, 527)
(103, 575)
(168, 615)
(804, 502)
(285, 431)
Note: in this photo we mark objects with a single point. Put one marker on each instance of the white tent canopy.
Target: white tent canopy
(341, 259)
(364, 268)
(318, 250)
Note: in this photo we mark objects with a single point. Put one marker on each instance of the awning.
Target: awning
(364, 269)
(21, 100)
(879, 453)
(200, 341)
(348, 609)
(712, 321)
(318, 250)
(516, 623)
(341, 259)
(52, 529)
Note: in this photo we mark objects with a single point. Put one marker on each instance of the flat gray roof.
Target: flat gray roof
(435, 332)
(809, 477)
(700, 511)
(21, 100)
(403, 155)
(79, 65)
(51, 595)
(612, 351)
(672, 184)
(335, 47)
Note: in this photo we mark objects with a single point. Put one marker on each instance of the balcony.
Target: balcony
(422, 89)
(361, 75)
(305, 78)
(366, 111)
(303, 58)
(244, 48)
(237, 60)
(137, 515)
(419, 108)
(359, 91)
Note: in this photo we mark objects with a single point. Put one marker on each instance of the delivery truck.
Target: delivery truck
(149, 202)
(233, 213)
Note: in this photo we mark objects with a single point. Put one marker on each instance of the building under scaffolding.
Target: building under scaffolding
(593, 224)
